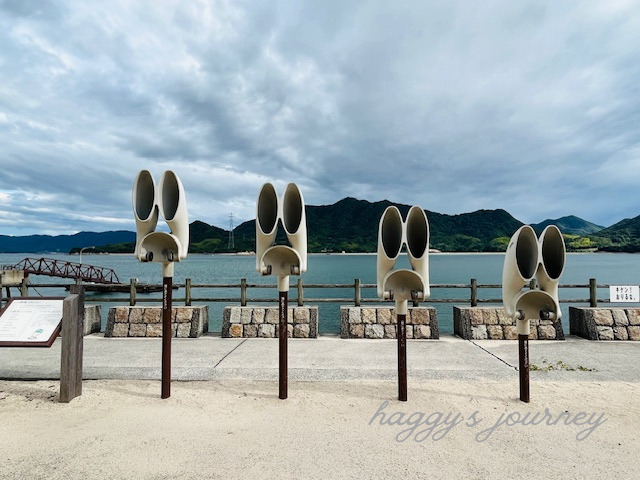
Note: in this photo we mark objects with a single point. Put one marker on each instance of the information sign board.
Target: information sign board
(30, 322)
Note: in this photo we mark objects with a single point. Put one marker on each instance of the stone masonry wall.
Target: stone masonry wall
(491, 323)
(605, 323)
(252, 322)
(380, 322)
(147, 321)
(92, 319)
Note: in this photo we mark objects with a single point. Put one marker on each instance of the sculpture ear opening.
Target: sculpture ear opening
(292, 209)
(267, 215)
(553, 252)
(527, 253)
(417, 233)
(390, 233)
(171, 197)
(144, 196)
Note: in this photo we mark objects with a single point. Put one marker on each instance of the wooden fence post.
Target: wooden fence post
(132, 292)
(243, 292)
(300, 293)
(72, 346)
(593, 293)
(357, 300)
(187, 292)
(474, 292)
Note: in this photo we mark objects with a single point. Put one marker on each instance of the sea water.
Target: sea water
(449, 268)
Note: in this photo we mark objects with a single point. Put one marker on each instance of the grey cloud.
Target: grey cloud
(455, 106)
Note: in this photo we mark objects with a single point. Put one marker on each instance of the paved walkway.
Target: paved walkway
(330, 358)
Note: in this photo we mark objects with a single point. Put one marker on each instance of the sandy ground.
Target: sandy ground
(231, 429)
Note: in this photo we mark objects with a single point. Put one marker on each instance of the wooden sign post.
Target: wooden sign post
(72, 346)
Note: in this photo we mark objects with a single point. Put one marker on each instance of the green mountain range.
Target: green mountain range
(624, 236)
(572, 225)
(351, 225)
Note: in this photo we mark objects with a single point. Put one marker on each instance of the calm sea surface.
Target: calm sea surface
(614, 269)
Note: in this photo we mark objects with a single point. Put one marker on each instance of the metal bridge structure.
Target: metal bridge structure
(63, 269)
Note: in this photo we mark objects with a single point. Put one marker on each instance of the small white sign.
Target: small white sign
(30, 320)
(624, 293)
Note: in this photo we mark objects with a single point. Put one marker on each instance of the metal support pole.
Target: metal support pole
(401, 334)
(523, 356)
(166, 336)
(282, 336)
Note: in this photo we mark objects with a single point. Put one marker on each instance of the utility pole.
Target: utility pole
(231, 244)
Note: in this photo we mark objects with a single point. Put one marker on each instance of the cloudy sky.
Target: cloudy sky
(530, 106)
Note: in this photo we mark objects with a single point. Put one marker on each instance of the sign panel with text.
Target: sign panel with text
(624, 293)
(30, 322)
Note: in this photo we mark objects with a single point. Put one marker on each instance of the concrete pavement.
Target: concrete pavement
(330, 358)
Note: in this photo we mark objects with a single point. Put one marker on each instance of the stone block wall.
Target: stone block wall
(147, 321)
(262, 322)
(605, 323)
(380, 322)
(92, 319)
(491, 323)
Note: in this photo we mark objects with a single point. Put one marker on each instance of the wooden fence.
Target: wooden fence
(356, 297)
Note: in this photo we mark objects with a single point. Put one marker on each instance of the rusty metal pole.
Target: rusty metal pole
(523, 356)
(401, 335)
(523, 327)
(282, 338)
(166, 336)
(402, 357)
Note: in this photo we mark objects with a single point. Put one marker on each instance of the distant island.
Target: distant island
(351, 225)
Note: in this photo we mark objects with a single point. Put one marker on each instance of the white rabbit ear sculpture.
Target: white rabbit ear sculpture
(281, 260)
(528, 258)
(393, 233)
(168, 199)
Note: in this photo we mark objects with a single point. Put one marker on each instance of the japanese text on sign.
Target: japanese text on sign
(624, 293)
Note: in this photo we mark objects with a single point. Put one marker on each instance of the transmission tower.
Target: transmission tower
(231, 244)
